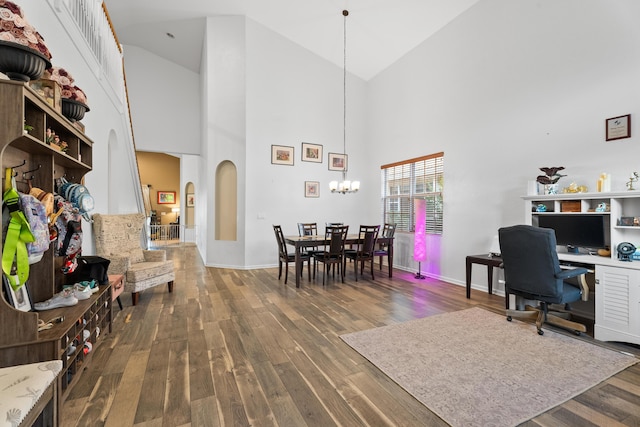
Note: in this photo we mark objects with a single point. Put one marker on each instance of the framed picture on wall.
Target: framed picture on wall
(281, 155)
(619, 127)
(166, 197)
(191, 200)
(20, 298)
(311, 189)
(337, 162)
(311, 153)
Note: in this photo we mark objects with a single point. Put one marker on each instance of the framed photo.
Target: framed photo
(337, 162)
(191, 200)
(311, 153)
(618, 127)
(18, 299)
(281, 155)
(311, 189)
(166, 197)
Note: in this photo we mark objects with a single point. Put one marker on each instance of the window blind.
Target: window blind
(419, 178)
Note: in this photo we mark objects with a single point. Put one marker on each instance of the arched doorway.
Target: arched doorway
(226, 216)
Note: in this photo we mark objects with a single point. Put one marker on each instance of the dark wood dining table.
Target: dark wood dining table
(300, 242)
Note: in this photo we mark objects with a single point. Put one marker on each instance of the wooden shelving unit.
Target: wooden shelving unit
(20, 341)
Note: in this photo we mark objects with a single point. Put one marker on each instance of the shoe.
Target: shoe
(93, 284)
(66, 298)
(81, 292)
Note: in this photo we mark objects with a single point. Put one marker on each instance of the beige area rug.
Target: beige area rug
(474, 368)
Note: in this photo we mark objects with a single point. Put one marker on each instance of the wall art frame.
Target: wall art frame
(312, 189)
(618, 127)
(337, 162)
(311, 152)
(19, 299)
(166, 197)
(282, 155)
(191, 200)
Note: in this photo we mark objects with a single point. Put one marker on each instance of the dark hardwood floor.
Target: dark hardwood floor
(240, 348)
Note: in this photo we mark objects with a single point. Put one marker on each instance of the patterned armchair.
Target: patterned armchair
(118, 238)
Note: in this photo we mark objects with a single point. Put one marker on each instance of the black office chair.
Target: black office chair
(532, 272)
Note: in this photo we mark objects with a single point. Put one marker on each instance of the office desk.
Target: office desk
(300, 242)
(490, 261)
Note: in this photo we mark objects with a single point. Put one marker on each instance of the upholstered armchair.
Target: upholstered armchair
(118, 238)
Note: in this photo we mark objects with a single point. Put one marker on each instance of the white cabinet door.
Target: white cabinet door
(617, 304)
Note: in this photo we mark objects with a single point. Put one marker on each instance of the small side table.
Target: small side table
(117, 287)
(490, 261)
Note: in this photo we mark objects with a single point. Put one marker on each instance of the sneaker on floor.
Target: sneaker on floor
(66, 298)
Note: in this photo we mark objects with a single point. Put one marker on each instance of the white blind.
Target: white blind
(419, 178)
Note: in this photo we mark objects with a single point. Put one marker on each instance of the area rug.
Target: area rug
(474, 368)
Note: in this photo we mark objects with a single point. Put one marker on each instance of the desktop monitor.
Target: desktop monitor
(574, 231)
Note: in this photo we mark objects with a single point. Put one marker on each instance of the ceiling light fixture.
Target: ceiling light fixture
(345, 186)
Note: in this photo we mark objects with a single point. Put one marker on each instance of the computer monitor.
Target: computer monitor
(575, 230)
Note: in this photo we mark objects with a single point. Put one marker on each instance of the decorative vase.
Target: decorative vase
(551, 189)
(20, 62)
(73, 110)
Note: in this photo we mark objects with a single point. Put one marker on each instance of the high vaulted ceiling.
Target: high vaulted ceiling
(379, 32)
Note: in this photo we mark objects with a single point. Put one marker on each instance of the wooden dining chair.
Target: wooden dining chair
(388, 231)
(364, 250)
(309, 229)
(333, 251)
(285, 257)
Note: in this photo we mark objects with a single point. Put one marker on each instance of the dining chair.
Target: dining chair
(364, 250)
(388, 231)
(333, 252)
(285, 257)
(309, 229)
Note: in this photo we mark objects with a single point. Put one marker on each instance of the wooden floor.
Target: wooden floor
(240, 348)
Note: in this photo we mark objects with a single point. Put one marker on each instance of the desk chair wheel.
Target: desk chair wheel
(509, 319)
(540, 332)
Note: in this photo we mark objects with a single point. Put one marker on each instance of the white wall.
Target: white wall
(294, 96)
(506, 88)
(224, 136)
(165, 103)
(105, 123)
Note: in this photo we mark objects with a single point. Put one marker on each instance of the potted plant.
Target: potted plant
(550, 179)
(74, 100)
(23, 53)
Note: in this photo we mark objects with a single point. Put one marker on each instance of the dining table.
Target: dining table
(301, 242)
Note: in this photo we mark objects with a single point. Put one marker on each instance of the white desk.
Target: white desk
(617, 296)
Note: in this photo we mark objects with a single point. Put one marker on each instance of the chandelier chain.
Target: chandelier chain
(345, 13)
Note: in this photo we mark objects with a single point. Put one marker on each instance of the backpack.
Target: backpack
(69, 227)
(79, 197)
(36, 214)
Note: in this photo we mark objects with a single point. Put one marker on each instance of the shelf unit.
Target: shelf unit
(20, 341)
(622, 204)
(617, 283)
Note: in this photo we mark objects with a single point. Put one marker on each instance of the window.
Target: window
(402, 182)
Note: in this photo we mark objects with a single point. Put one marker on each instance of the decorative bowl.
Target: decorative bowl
(20, 62)
(73, 110)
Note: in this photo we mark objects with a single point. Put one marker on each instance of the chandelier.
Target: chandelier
(345, 186)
